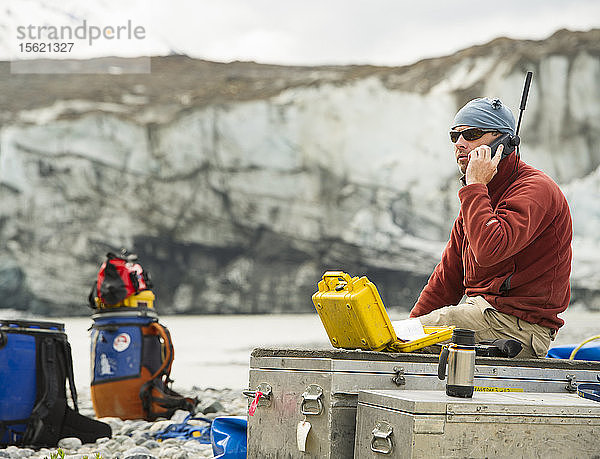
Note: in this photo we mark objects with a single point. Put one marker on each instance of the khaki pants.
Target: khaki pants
(489, 324)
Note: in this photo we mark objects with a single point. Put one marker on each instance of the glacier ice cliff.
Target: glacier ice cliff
(239, 184)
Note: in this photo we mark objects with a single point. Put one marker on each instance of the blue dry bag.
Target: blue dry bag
(228, 437)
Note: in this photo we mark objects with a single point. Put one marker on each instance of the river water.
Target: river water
(214, 351)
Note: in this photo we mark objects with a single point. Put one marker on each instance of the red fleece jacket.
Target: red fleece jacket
(511, 244)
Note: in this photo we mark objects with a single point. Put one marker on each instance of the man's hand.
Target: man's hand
(482, 167)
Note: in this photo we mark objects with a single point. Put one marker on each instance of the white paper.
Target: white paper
(409, 329)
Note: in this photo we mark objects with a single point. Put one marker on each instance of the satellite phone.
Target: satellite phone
(509, 141)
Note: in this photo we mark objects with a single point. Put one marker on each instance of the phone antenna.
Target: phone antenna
(524, 99)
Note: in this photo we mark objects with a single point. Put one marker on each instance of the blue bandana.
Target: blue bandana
(486, 113)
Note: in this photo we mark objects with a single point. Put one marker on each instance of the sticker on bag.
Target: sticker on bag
(121, 342)
(105, 367)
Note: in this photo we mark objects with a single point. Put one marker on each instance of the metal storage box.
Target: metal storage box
(322, 387)
(426, 424)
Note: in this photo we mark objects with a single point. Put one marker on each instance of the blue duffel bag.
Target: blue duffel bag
(35, 365)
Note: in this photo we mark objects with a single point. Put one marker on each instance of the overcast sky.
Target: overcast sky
(389, 32)
(360, 31)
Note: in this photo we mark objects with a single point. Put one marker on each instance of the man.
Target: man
(510, 247)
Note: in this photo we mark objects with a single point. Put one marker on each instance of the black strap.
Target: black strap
(86, 429)
(92, 296)
(168, 399)
(147, 279)
(51, 418)
(13, 421)
(134, 281)
(116, 326)
(70, 375)
(6, 427)
(45, 420)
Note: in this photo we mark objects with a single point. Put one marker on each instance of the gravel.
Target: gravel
(135, 439)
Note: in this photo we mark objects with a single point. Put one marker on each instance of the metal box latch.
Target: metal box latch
(382, 438)
(571, 383)
(311, 401)
(399, 379)
(265, 389)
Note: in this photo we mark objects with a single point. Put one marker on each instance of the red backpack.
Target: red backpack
(119, 278)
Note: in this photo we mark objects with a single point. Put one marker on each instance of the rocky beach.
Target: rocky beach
(137, 439)
(221, 371)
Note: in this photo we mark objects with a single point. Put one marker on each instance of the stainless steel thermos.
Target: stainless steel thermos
(459, 356)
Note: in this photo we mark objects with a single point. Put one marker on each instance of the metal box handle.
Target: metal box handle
(312, 395)
(382, 433)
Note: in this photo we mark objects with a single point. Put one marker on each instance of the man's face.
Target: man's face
(463, 147)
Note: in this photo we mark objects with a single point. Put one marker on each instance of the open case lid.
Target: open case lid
(355, 317)
(352, 312)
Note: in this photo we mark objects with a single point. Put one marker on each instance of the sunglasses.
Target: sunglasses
(469, 134)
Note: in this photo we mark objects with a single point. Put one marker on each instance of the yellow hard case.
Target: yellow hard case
(143, 300)
(354, 316)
